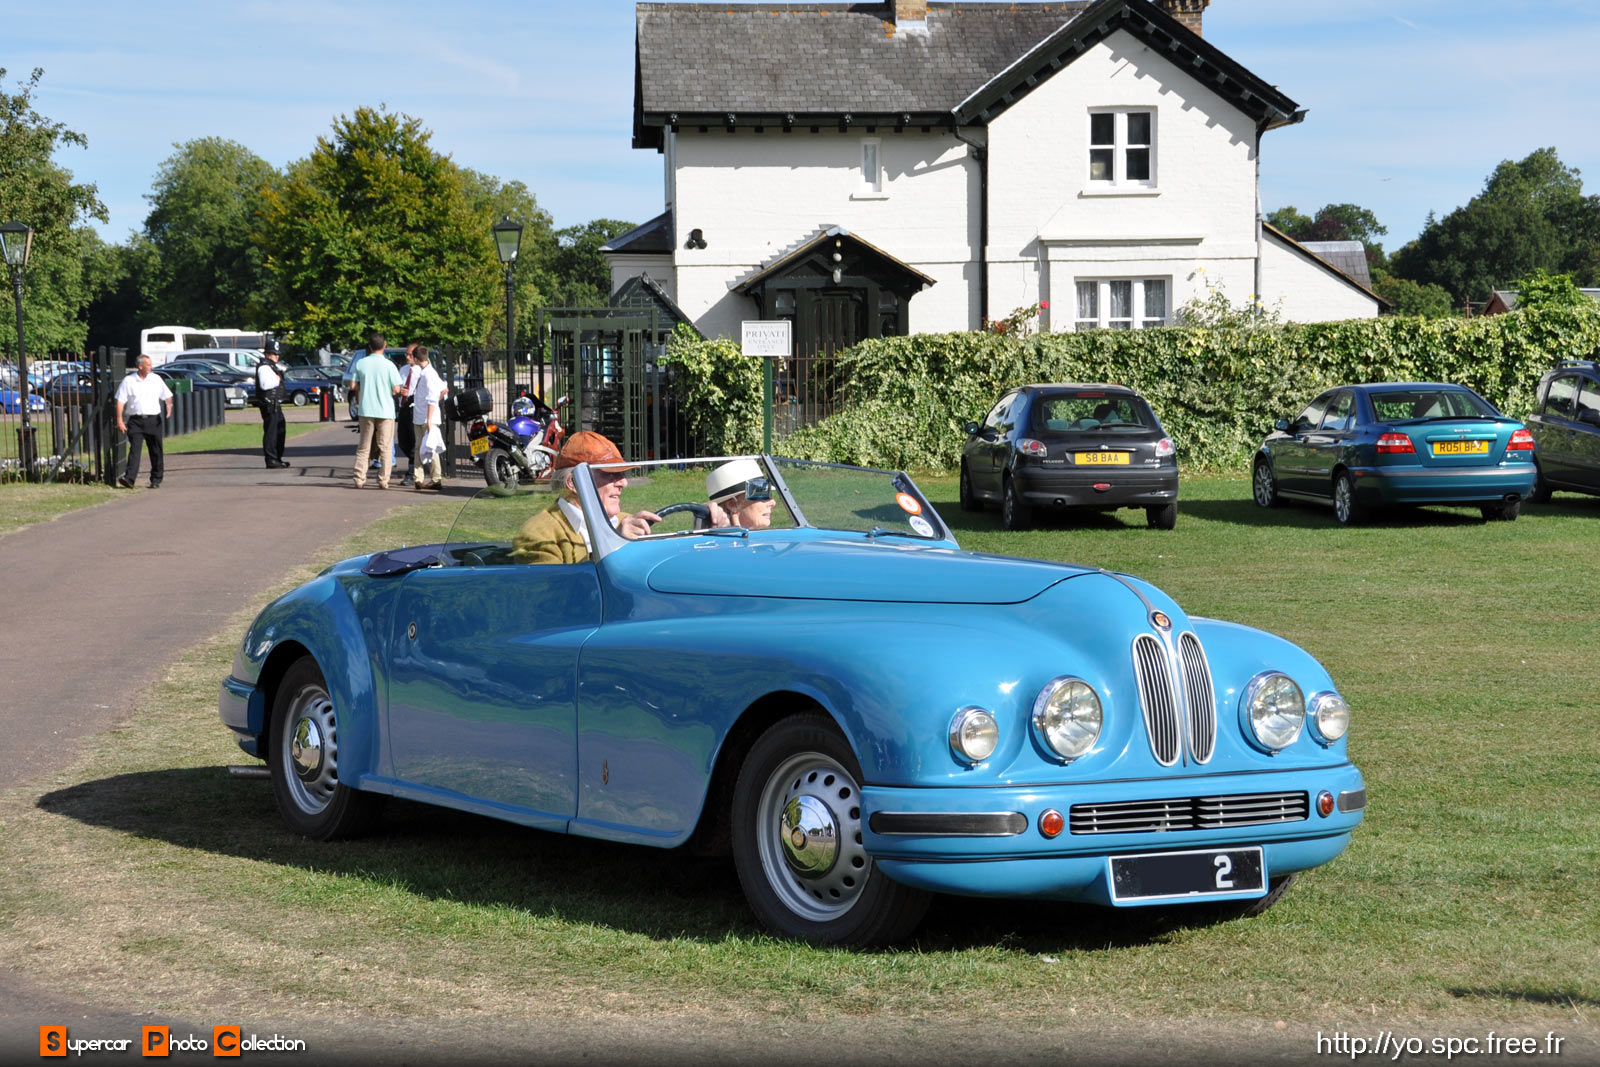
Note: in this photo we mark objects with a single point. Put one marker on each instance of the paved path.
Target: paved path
(116, 592)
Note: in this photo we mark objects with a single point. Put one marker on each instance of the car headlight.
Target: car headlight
(1275, 709)
(1067, 717)
(1330, 717)
(974, 735)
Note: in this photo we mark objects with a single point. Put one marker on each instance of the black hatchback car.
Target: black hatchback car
(1094, 447)
(1566, 427)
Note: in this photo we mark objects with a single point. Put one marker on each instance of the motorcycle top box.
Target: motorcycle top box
(470, 403)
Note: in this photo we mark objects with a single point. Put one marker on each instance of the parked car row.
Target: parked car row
(1356, 448)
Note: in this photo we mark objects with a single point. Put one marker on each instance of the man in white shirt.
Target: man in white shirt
(427, 395)
(139, 401)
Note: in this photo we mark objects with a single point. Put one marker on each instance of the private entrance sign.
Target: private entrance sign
(768, 341)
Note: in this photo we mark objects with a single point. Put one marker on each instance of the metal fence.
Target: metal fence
(70, 429)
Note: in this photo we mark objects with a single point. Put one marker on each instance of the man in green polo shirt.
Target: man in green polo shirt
(374, 381)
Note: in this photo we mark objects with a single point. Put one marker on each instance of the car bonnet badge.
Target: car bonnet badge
(1161, 620)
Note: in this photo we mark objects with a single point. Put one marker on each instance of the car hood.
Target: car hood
(854, 570)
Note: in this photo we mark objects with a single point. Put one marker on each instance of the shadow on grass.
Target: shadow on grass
(1529, 996)
(1245, 512)
(445, 855)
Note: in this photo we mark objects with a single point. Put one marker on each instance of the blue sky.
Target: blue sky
(1412, 102)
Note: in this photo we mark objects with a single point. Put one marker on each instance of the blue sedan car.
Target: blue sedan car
(1358, 447)
(861, 712)
(11, 401)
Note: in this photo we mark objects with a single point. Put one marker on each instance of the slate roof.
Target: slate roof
(1350, 257)
(1306, 252)
(739, 64)
(777, 263)
(647, 238)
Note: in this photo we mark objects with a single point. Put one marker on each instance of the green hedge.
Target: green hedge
(1217, 391)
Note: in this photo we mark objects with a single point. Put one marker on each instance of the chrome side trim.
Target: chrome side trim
(1353, 800)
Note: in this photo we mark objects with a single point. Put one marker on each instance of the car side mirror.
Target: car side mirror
(970, 428)
(1282, 425)
(1589, 416)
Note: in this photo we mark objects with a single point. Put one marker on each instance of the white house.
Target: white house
(872, 170)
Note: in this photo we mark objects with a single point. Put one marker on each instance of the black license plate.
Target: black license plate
(1187, 875)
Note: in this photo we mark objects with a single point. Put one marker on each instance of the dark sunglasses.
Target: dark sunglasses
(757, 489)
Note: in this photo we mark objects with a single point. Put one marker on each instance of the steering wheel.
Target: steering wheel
(702, 514)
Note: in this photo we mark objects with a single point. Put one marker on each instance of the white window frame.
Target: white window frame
(1120, 148)
(870, 189)
(1139, 320)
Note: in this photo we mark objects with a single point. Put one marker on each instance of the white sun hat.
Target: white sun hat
(729, 479)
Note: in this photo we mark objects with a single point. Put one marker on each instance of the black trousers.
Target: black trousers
(272, 431)
(145, 430)
(404, 434)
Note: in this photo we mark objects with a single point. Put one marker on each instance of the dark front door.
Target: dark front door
(827, 320)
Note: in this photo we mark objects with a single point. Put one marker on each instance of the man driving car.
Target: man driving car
(559, 534)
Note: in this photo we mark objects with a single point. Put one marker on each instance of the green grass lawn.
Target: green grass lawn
(23, 504)
(231, 435)
(1471, 893)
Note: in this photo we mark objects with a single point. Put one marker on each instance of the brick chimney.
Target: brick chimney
(1187, 12)
(905, 11)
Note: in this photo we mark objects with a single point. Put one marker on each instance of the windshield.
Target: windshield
(732, 496)
(1091, 411)
(1430, 402)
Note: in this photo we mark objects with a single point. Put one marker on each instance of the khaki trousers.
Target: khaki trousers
(377, 433)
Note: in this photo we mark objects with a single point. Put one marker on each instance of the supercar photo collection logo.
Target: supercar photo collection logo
(160, 1041)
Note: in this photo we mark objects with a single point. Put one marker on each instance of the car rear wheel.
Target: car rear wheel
(303, 758)
(1263, 486)
(500, 470)
(1014, 514)
(300, 399)
(1505, 511)
(969, 499)
(797, 841)
(1346, 508)
(1162, 518)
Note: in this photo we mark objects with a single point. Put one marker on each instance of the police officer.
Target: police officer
(269, 398)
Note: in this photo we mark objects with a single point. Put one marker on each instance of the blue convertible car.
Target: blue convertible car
(859, 710)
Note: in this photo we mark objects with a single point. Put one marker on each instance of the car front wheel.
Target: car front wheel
(1541, 488)
(969, 499)
(797, 841)
(303, 758)
(1264, 487)
(300, 399)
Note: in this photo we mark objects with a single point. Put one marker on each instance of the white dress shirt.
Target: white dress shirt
(426, 388)
(143, 396)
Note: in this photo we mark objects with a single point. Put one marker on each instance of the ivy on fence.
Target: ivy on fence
(1217, 390)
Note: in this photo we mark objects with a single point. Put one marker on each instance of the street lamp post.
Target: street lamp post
(507, 240)
(16, 241)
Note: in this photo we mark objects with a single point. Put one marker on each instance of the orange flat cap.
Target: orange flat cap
(586, 446)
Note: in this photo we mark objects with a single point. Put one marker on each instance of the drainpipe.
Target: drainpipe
(980, 155)
(1257, 290)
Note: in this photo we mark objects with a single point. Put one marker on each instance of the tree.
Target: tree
(1531, 214)
(34, 190)
(583, 275)
(1542, 289)
(203, 210)
(534, 277)
(1334, 222)
(1406, 297)
(374, 230)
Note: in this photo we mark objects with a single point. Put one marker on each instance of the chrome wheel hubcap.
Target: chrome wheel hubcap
(1341, 500)
(311, 749)
(809, 837)
(1263, 485)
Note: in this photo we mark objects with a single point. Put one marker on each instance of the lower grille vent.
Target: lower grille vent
(1189, 813)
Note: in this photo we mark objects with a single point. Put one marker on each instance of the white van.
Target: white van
(162, 343)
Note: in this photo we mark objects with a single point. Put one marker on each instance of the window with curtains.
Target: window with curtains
(1121, 303)
(1122, 145)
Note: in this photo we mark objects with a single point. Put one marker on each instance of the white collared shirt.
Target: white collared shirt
(426, 388)
(574, 515)
(143, 396)
(268, 374)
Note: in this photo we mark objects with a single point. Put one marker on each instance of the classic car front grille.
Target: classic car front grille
(1189, 813)
(1201, 697)
(1162, 717)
